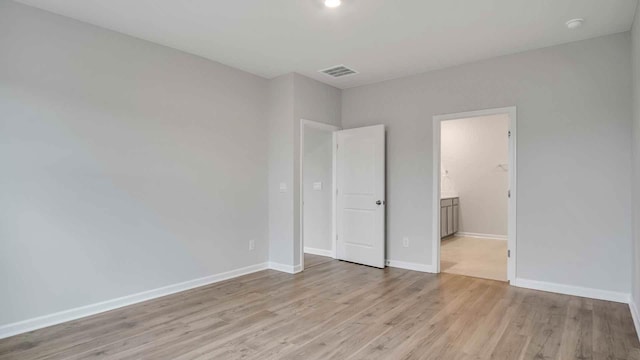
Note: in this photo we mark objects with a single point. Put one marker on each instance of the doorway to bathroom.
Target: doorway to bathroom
(474, 188)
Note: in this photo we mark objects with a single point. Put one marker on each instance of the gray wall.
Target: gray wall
(292, 97)
(280, 138)
(574, 151)
(127, 166)
(318, 102)
(318, 167)
(471, 150)
(635, 35)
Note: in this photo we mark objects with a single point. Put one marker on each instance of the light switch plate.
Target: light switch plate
(283, 187)
(317, 186)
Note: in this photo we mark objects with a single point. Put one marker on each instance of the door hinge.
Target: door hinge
(508, 253)
(509, 194)
(509, 134)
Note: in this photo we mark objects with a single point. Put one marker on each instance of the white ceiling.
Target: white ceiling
(380, 39)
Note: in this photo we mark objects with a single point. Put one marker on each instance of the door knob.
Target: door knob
(378, 202)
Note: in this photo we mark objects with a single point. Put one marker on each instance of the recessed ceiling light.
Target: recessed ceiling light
(332, 3)
(574, 23)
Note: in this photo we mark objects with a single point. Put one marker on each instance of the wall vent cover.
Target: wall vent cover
(338, 71)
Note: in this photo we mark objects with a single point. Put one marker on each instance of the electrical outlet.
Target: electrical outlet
(252, 245)
(405, 241)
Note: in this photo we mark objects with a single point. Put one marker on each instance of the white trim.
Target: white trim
(334, 197)
(290, 269)
(573, 290)
(512, 231)
(92, 309)
(410, 266)
(321, 252)
(482, 236)
(324, 127)
(634, 315)
(436, 192)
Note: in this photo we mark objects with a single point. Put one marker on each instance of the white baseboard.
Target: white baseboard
(291, 269)
(635, 316)
(410, 266)
(482, 236)
(88, 310)
(573, 290)
(321, 252)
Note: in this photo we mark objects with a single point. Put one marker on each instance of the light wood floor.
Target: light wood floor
(484, 258)
(313, 260)
(339, 310)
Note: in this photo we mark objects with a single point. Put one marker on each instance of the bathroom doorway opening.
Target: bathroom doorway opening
(475, 194)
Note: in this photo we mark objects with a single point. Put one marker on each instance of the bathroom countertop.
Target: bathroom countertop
(442, 197)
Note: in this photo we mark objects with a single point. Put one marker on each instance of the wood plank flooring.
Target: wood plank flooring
(339, 310)
(311, 260)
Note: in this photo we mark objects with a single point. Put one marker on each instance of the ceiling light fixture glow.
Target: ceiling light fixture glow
(574, 23)
(332, 3)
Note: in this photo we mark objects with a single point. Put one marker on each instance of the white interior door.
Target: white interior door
(360, 185)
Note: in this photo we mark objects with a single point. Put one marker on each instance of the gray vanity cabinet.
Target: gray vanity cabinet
(449, 216)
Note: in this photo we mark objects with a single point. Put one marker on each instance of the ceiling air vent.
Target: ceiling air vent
(338, 71)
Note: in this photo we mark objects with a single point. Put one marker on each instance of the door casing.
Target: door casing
(329, 128)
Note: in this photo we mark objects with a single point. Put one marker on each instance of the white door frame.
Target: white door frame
(332, 129)
(511, 242)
